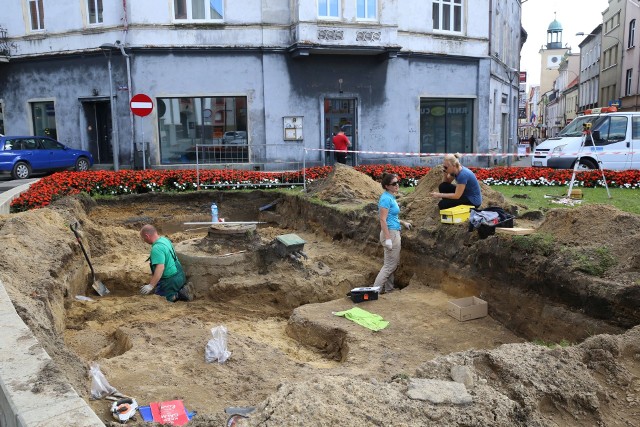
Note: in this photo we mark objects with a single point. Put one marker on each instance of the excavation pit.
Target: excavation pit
(288, 350)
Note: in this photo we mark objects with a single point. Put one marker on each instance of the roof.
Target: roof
(555, 26)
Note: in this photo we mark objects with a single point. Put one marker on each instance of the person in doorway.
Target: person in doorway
(390, 225)
(167, 277)
(466, 190)
(532, 143)
(340, 144)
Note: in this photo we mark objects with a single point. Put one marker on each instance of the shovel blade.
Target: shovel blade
(100, 288)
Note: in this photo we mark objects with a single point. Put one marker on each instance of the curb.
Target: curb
(24, 400)
(8, 196)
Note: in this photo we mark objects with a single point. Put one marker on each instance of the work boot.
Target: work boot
(186, 293)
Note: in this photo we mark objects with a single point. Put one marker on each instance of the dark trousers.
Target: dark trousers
(448, 188)
(341, 157)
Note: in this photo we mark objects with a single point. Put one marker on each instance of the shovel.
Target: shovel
(97, 285)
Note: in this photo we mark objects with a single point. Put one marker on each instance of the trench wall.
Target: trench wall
(534, 299)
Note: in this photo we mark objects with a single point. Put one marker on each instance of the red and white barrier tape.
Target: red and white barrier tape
(398, 153)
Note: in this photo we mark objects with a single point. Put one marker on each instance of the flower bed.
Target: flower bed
(60, 184)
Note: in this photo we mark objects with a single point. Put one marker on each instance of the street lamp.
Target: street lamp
(107, 48)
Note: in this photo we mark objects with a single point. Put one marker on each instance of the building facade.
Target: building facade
(398, 76)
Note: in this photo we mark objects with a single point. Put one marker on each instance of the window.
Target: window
(44, 119)
(367, 9)
(328, 8)
(632, 34)
(198, 10)
(446, 125)
(95, 11)
(627, 87)
(635, 127)
(447, 15)
(612, 129)
(185, 122)
(36, 9)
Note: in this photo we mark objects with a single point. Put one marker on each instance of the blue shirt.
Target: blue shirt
(388, 201)
(472, 188)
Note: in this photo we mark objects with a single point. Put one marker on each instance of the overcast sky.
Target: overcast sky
(574, 16)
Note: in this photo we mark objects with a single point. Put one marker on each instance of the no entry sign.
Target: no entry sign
(141, 105)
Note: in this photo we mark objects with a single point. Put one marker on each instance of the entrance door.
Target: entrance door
(98, 118)
(340, 114)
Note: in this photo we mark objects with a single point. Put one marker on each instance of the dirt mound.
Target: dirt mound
(346, 184)
(423, 209)
(589, 223)
(560, 390)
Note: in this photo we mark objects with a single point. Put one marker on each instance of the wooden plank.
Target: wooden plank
(517, 231)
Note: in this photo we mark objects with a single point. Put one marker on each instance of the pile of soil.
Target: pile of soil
(346, 185)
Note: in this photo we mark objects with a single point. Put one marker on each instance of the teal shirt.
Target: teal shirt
(162, 253)
(388, 201)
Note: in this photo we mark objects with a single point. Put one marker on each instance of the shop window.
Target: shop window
(218, 122)
(446, 125)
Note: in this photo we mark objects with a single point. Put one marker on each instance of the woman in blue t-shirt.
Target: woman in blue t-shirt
(466, 191)
(390, 224)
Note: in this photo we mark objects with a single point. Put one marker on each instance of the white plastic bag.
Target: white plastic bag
(217, 346)
(100, 387)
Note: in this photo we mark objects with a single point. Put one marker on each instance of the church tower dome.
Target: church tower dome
(554, 35)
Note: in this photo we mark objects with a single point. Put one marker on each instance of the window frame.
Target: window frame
(98, 12)
(366, 4)
(438, 19)
(628, 82)
(632, 34)
(327, 11)
(36, 6)
(188, 8)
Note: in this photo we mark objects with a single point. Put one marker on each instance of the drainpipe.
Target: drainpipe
(114, 120)
(130, 90)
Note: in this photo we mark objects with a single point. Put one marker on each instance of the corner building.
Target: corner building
(272, 79)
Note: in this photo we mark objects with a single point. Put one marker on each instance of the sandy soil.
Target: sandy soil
(290, 356)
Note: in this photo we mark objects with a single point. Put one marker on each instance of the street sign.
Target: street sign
(141, 105)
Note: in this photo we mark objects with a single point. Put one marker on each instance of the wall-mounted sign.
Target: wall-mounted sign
(292, 128)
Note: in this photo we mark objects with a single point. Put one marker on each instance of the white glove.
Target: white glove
(146, 289)
(407, 225)
(388, 244)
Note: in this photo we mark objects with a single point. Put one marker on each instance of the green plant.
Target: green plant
(563, 343)
(594, 262)
(540, 243)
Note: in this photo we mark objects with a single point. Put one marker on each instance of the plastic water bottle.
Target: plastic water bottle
(214, 212)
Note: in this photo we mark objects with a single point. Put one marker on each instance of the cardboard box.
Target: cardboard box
(455, 215)
(467, 308)
(364, 294)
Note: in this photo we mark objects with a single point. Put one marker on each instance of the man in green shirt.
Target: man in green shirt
(167, 277)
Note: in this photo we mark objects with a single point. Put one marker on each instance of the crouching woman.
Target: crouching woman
(466, 190)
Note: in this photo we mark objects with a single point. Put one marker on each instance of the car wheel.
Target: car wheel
(587, 164)
(82, 164)
(21, 170)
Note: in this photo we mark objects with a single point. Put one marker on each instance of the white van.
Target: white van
(616, 142)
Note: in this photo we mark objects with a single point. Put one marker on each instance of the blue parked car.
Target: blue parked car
(22, 155)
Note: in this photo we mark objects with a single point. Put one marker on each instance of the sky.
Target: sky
(574, 16)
